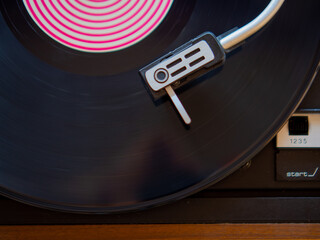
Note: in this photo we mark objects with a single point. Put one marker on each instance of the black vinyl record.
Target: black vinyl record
(79, 131)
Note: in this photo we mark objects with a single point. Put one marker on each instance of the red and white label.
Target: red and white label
(98, 25)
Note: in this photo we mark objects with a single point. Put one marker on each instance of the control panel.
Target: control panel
(301, 131)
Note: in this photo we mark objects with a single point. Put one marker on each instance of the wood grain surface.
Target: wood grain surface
(162, 231)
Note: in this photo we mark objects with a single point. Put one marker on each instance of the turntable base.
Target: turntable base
(164, 231)
(81, 133)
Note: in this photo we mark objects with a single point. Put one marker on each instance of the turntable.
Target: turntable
(156, 108)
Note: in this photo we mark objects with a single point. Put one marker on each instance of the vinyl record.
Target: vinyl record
(79, 131)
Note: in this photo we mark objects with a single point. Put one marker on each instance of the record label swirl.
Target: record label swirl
(98, 25)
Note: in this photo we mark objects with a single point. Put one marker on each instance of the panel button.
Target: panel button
(299, 125)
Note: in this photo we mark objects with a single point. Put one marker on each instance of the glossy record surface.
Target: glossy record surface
(79, 132)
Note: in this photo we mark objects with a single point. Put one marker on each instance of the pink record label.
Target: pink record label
(98, 25)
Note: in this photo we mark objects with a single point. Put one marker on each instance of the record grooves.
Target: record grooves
(94, 64)
(80, 133)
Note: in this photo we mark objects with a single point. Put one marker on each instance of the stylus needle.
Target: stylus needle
(178, 104)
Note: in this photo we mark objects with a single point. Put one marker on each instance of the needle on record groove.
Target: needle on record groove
(176, 101)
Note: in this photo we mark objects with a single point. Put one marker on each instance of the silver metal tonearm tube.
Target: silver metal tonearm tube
(252, 27)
